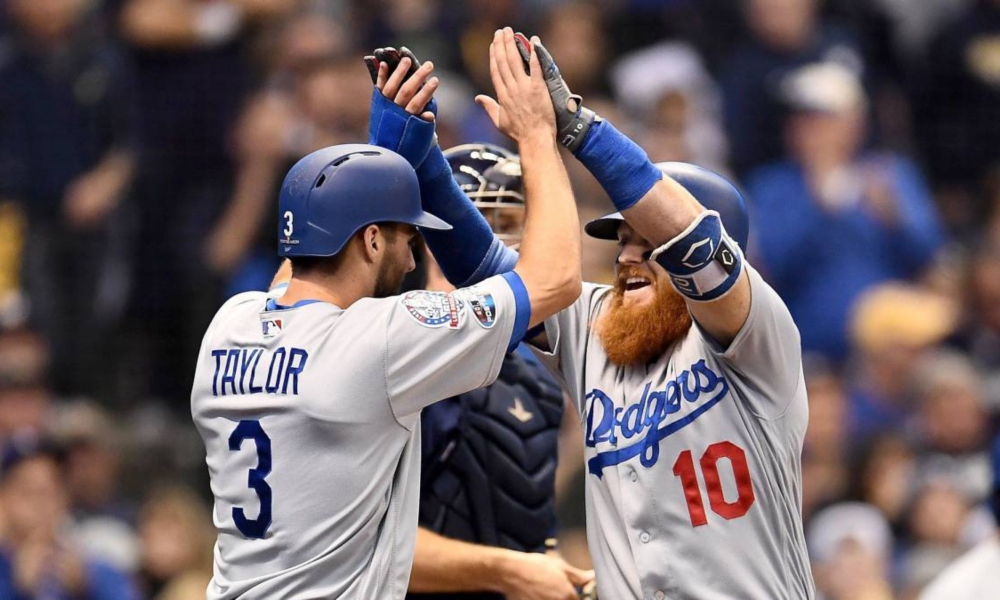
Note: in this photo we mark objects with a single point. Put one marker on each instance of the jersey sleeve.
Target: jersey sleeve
(440, 345)
(566, 334)
(767, 351)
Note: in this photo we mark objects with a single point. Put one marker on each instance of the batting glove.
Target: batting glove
(573, 120)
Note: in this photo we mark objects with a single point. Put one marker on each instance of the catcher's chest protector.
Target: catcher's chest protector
(493, 481)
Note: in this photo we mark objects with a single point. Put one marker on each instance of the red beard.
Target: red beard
(634, 334)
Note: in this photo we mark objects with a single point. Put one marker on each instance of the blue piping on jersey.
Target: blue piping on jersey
(522, 308)
(272, 304)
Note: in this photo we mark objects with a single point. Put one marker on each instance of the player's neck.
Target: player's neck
(341, 289)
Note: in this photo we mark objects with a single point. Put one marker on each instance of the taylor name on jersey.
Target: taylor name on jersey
(256, 370)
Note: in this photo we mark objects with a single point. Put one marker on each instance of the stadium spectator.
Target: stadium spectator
(838, 219)
(885, 476)
(177, 536)
(66, 157)
(193, 72)
(893, 326)
(937, 520)
(25, 398)
(851, 549)
(667, 89)
(977, 573)
(92, 445)
(318, 100)
(825, 476)
(958, 109)
(980, 336)
(952, 425)
(783, 36)
(37, 559)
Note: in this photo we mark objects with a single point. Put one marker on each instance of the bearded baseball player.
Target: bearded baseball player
(309, 403)
(687, 375)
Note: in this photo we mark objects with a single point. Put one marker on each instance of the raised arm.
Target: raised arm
(469, 252)
(687, 240)
(549, 263)
(666, 215)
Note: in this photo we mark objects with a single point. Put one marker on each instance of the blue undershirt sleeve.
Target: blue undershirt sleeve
(469, 252)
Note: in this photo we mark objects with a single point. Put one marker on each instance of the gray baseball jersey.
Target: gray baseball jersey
(310, 416)
(693, 461)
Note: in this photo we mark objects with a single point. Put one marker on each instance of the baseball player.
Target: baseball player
(686, 373)
(309, 404)
(487, 497)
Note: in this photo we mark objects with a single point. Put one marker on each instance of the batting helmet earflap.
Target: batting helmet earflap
(332, 193)
(711, 190)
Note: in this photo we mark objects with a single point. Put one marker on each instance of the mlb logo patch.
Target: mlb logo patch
(270, 327)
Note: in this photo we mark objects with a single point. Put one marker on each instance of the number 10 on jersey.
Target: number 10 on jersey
(685, 468)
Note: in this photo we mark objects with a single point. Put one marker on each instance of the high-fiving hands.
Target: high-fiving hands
(522, 107)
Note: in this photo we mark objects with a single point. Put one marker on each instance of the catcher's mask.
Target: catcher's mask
(491, 177)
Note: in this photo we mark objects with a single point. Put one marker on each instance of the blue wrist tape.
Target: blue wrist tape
(469, 252)
(391, 127)
(619, 164)
(703, 261)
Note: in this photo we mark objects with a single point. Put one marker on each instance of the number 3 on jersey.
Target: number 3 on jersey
(251, 430)
(685, 469)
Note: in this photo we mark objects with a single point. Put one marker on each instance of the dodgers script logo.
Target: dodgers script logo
(645, 419)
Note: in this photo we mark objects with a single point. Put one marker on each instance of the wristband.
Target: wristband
(703, 261)
(391, 127)
(619, 164)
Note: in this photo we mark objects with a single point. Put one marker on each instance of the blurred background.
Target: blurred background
(142, 143)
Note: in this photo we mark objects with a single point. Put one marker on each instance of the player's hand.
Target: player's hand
(404, 80)
(403, 108)
(521, 109)
(535, 576)
(573, 120)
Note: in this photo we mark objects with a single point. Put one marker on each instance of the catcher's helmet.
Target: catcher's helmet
(491, 177)
(711, 190)
(332, 193)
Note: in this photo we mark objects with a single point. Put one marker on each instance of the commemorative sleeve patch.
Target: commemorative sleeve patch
(482, 306)
(434, 309)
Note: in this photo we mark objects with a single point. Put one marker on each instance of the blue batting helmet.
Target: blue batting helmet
(332, 193)
(711, 190)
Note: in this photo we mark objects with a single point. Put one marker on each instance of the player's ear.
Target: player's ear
(372, 241)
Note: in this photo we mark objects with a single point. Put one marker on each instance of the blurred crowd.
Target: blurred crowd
(142, 143)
